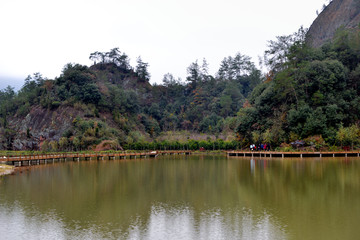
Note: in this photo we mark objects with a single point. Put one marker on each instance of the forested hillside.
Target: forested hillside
(312, 93)
(112, 101)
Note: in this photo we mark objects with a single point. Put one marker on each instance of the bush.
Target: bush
(55, 104)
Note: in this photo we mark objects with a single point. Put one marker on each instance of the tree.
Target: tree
(123, 62)
(211, 124)
(6, 104)
(277, 56)
(142, 70)
(205, 71)
(256, 137)
(241, 65)
(353, 135)
(225, 103)
(32, 89)
(33, 81)
(90, 94)
(45, 146)
(348, 135)
(267, 136)
(224, 71)
(78, 81)
(98, 56)
(241, 71)
(194, 74)
(54, 145)
(75, 74)
(63, 143)
(154, 111)
(169, 80)
(76, 143)
(113, 55)
(315, 123)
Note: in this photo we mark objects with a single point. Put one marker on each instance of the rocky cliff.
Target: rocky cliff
(338, 13)
(41, 124)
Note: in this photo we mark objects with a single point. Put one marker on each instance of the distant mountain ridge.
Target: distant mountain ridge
(338, 13)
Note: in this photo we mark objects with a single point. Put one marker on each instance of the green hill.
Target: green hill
(112, 101)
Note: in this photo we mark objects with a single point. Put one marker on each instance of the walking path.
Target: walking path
(291, 154)
(28, 160)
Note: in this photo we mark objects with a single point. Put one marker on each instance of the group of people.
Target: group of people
(260, 147)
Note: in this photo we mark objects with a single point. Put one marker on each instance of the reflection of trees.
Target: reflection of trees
(117, 194)
(310, 196)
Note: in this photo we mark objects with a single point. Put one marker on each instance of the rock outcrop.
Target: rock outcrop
(337, 14)
(41, 124)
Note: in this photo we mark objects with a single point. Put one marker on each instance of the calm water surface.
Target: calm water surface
(184, 197)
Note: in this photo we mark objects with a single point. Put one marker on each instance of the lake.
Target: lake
(184, 197)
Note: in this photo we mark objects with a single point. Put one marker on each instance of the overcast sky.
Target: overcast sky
(43, 35)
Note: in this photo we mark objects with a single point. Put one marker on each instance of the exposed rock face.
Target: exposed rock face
(338, 13)
(41, 124)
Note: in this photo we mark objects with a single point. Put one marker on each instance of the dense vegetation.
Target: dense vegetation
(310, 94)
(139, 111)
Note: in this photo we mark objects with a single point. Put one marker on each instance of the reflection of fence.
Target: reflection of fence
(28, 160)
(291, 154)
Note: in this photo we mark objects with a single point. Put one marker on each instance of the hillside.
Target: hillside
(339, 13)
(112, 102)
(312, 94)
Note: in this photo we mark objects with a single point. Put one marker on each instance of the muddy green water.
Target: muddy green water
(184, 197)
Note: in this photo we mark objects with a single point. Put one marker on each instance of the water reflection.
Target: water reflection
(168, 223)
(197, 197)
(164, 223)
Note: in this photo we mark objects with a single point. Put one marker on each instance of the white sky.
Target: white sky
(43, 35)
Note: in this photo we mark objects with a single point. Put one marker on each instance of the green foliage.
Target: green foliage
(267, 136)
(23, 110)
(316, 142)
(194, 74)
(79, 82)
(256, 137)
(310, 92)
(142, 70)
(151, 125)
(139, 111)
(114, 56)
(282, 50)
(211, 123)
(191, 144)
(90, 94)
(348, 135)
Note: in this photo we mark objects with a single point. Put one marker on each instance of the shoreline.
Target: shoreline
(6, 169)
(38, 159)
